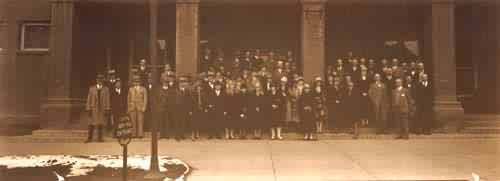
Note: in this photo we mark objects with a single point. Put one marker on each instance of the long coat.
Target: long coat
(137, 99)
(98, 103)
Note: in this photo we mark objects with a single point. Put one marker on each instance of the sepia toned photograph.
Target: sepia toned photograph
(250, 90)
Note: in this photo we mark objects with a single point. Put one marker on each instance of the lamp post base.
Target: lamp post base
(154, 176)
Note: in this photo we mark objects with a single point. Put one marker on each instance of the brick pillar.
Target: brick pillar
(60, 108)
(449, 111)
(313, 38)
(187, 36)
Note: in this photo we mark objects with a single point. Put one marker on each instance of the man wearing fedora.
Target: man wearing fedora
(98, 107)
(137, 101)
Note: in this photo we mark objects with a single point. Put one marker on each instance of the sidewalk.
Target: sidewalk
(369, 159)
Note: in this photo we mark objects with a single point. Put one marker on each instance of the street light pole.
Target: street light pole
(154, 169)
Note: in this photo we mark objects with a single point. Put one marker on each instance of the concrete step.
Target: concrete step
(482, 130)
(482, 117)
(286, 136)
(481, 123)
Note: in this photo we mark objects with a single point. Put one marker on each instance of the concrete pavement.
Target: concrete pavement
(371, 159)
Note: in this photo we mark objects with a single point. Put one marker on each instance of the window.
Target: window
(35, 36)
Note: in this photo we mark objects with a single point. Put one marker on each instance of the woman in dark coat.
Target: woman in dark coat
(215, 110)
(334, 95)
(242, 102)
(365, 109)
(232, 112)
(199, 113)
(305, 105)
(257, 111)
(320, 110)
(278, 111)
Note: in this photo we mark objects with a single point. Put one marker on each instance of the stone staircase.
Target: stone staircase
(481, 124)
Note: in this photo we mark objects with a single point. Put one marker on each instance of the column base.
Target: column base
(449, 115)
(62, 113)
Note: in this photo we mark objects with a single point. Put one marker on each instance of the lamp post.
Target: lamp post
(154, 168)
(124, 135)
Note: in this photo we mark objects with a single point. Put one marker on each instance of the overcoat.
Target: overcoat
(98, 103)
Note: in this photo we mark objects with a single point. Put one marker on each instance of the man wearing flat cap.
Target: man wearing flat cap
(137, 101)
(98, 107)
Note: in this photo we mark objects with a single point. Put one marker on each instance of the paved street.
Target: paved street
(424, 159)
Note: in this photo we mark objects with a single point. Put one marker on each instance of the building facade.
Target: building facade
(50, 50)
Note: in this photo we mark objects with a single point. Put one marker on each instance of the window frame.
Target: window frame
(23, 34)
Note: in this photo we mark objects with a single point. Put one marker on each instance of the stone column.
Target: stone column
(313, 38)
(449, 111)
(496, 26)
(60, 108)
(187, 36)
(4, 63)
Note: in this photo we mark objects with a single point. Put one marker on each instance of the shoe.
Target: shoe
(100, 141)
(210, 137)
(398, 137)
(280, 138)
(88, 141)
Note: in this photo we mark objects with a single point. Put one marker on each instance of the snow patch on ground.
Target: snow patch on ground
(82, 165)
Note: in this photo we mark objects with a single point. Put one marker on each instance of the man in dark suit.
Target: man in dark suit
(401, 106)
(351, 107)
(118, 103)
(424, 100)
(184, 108)
(167, 96)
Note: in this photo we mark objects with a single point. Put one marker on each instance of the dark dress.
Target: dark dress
(306, 114)
(334, 100)
(278, 112)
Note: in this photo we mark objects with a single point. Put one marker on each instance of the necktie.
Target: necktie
(98, 98)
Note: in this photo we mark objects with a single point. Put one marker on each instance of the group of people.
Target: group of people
(260, 92)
